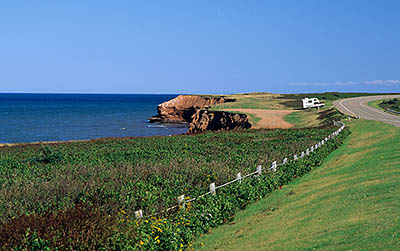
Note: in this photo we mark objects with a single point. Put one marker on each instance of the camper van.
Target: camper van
(311, 103)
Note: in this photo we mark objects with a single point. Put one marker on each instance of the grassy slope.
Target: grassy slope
(375, 104)
(351, 202)
(301, 119)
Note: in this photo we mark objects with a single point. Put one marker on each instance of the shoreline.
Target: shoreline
(83, 140)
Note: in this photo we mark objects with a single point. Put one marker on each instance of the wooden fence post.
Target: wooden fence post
(259, 170)
(181, 200)
(307, 151)
(273, 166)
(139, 214)
(239, 177)
(212, 189)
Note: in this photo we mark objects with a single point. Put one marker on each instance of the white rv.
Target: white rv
(311, 103)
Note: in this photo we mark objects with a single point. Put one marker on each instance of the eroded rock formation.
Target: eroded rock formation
(193, 109)
(182, 108)
(204, 120)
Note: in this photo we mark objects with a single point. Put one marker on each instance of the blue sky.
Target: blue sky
(199, 46)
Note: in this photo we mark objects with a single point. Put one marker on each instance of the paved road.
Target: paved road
(359, 107)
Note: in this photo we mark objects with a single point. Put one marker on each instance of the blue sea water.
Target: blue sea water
(61, 117)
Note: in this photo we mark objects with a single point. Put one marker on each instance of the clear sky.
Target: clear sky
(200, 46)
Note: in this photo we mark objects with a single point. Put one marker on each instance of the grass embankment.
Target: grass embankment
(307, 118)
(350, 203)
(375, 104)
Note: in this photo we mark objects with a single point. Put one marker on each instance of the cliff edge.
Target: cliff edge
(192, 109)
(204, 120)
(182, 108)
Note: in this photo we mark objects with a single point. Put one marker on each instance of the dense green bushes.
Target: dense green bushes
(213, 210)
(132, 174)
(392, 104)
(110, 179)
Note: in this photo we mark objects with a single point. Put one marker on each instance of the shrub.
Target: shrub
(177, 232)
(48, 155)
(99, 216)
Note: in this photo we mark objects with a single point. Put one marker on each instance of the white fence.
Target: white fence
(259, 169)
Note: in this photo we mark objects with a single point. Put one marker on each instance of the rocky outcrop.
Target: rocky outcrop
(204, 120)
(193, 109)
(182, 108)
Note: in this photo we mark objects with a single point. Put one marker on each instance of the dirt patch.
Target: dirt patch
(269, 118)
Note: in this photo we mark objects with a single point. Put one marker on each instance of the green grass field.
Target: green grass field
(352, 202)
(375, 104)
(306, 118)
(313, 118)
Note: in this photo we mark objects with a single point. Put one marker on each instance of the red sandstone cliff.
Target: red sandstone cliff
(182, 108)
(193, 109)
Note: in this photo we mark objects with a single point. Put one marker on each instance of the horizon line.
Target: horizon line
(130, 93)
(35, 92)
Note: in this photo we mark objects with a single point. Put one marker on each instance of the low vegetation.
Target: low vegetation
(350, 203)
(392, 104)
(83, 195)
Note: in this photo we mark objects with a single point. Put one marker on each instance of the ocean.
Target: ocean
(62, 117)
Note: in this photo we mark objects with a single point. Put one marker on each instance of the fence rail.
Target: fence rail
(259, 169)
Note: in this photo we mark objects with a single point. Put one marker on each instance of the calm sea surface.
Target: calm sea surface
(59, 117)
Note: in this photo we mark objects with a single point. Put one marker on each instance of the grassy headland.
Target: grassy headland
(299, 118)
(350, 203)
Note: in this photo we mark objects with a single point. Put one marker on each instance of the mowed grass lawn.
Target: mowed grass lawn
(375, 104)
(352, 202)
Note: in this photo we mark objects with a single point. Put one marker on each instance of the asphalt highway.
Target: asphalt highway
(359, 107)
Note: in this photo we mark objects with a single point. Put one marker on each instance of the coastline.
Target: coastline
(34, 118)
(40, 143)
(84, 140)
